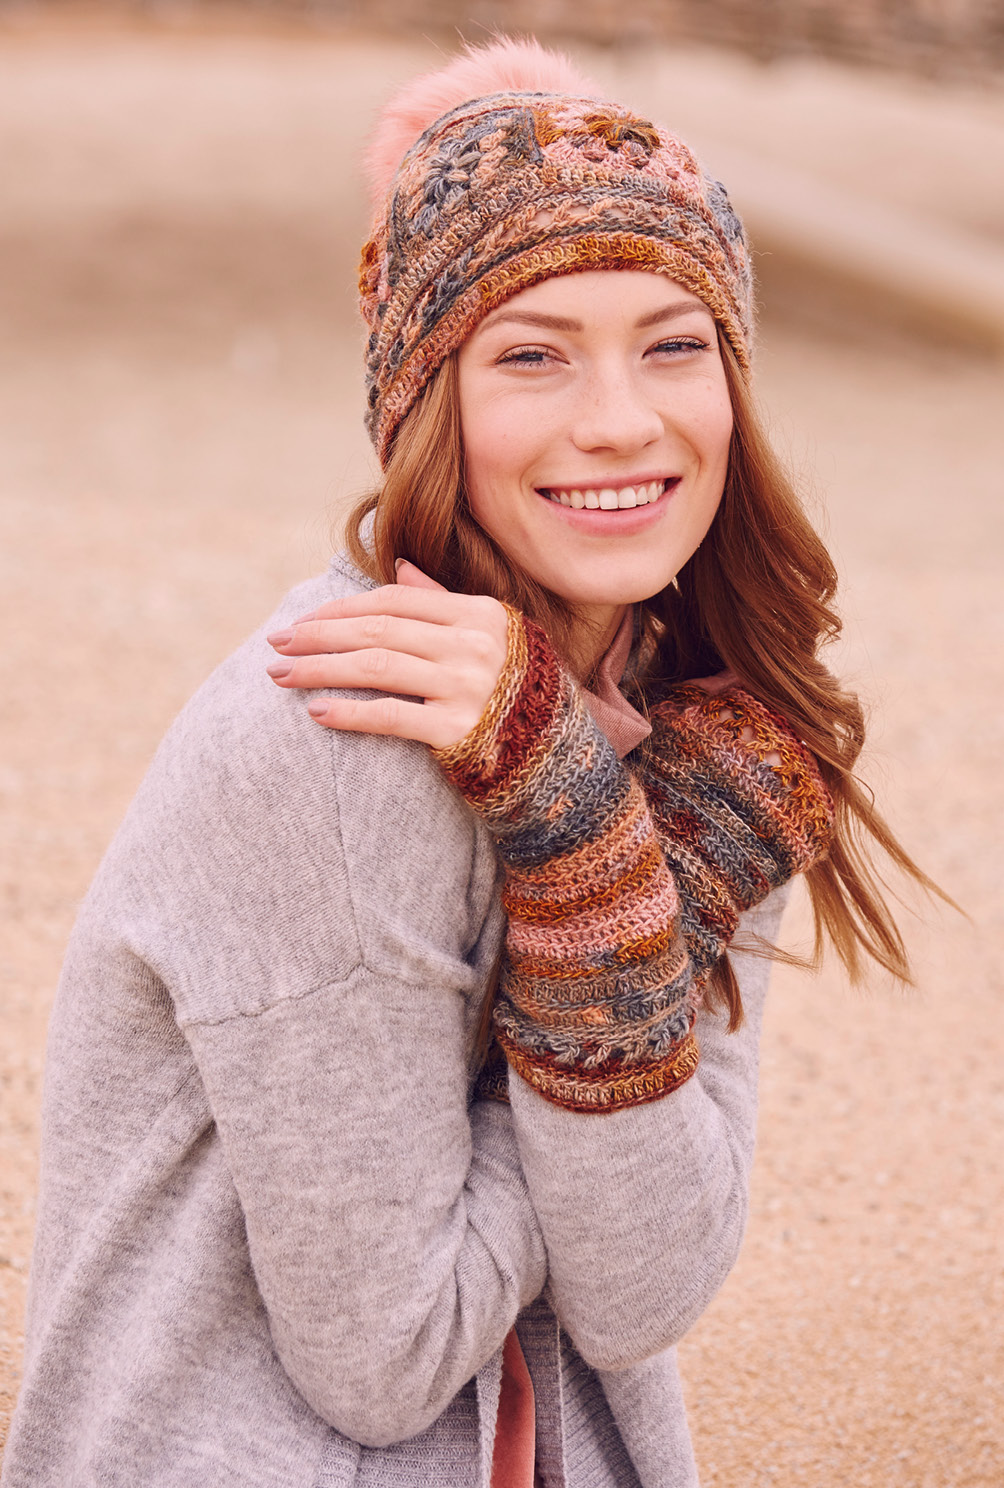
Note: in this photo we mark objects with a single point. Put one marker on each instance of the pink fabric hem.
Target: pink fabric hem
(513, 1460)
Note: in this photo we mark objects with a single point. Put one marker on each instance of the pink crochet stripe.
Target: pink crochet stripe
(623, 887)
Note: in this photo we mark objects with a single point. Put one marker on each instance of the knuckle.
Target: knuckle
(387, 713)
(481, 646)
(488, 609)
(375, 627)
(374, 662)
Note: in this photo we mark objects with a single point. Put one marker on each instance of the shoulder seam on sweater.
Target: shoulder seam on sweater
(280, 1002)
(362, 965)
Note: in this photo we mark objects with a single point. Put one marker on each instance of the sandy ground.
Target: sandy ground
(180, 428)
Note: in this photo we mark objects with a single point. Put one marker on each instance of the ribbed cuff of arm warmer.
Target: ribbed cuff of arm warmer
(607, 950)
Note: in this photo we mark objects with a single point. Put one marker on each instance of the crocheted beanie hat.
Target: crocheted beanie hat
(506, 168)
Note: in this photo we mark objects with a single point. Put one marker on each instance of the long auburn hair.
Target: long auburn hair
(755, 598)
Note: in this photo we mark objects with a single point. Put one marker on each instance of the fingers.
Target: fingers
(720, 682)
(376, 668)
(439, 727)
(442, 643)
(436, 606)
(412, 576)
(413, 637)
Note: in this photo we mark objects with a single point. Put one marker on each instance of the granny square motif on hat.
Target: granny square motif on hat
(509, 189)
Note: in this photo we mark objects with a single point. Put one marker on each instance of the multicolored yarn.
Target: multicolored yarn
(607, 949)
(503, 190)
(732, 827)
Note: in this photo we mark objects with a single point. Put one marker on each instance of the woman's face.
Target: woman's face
(596, 423)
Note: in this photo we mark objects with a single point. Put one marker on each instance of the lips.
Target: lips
(609, 498)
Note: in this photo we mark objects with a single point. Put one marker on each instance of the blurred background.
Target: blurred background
(180, 429)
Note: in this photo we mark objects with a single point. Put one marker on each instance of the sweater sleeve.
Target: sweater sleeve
(642, 1212)
(322, 910)
(606, 958)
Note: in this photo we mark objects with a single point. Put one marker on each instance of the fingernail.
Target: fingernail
(310, 615)
(280, 638)
(317, 707)
(397, 564)
(279, 669)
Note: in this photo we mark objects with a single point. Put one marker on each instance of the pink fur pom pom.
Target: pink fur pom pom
(505, 65)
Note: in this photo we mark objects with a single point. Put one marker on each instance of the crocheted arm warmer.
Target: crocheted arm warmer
(732, 827)
(605, 959)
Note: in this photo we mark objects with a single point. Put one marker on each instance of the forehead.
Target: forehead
(600, 296)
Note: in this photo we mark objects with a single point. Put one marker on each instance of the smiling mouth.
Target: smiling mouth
(609, 498)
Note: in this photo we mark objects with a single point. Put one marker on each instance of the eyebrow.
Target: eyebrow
(562, 323)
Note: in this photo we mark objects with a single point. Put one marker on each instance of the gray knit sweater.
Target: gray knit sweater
(277, 1247)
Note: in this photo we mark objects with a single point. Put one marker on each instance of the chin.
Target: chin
(606, 595)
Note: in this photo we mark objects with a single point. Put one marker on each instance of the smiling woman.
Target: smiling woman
(401, 1084)
(597, 453)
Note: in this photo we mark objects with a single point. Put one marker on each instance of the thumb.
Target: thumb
(720, 682)
(413, 578)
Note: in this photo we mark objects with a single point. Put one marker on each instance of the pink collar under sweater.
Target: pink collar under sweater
(622, 724)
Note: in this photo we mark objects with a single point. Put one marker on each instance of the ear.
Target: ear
(413, 578)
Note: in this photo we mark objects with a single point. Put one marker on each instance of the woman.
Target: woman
(299, 1224)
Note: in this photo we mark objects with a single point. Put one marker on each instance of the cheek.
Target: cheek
(484, 466)
(481, 456)
(722, 438)
(710, 437)
(712, 425)
(496, 461)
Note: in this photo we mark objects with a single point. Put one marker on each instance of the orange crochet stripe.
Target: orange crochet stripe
(624, 887)
(507, 190)
(602, 1091)
(536, 910)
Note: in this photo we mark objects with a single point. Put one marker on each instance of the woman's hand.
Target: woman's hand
(413, 637)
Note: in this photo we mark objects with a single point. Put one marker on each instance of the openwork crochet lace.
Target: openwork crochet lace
(624, 886)
(509, 189)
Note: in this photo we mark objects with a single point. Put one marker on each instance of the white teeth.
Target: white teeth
(608, 499)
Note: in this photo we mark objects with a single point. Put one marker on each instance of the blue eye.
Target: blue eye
(680, 344)
(523, 356)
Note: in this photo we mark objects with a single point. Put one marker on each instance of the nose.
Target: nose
(614, 413)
